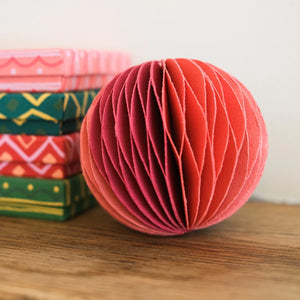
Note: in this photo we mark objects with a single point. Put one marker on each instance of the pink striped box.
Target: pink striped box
(57, 70)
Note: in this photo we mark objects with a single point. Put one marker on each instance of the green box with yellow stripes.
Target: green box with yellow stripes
(44, 113)
(44, 198)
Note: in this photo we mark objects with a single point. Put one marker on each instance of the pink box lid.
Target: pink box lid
(61, 62)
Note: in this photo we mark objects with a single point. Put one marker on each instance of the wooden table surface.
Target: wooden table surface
(255, 254)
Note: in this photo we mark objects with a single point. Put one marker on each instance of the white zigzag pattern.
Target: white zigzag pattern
(31, 158)
(3, 164)
(40, 170)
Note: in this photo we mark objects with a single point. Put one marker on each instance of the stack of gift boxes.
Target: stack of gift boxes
(44, 96)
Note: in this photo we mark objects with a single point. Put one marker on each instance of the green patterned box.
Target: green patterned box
(44, 198)
(45, 212)
(40, 127)
(43, 113)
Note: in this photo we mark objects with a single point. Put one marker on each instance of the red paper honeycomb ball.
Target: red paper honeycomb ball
(172, 146)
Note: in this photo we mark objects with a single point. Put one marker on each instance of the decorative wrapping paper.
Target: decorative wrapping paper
(58, 69)
(45, 106)
(43, 192)
(62, 149)
(39, 170)
(173, 146)
(45, 212)
(43, 113)
(40, 127)
(44, 198)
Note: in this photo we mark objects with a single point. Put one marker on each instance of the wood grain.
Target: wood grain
(253, 255)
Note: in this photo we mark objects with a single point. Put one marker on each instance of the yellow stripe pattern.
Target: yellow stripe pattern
(32, 209)
(28, 201)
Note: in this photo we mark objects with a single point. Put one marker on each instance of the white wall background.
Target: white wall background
(255, 40)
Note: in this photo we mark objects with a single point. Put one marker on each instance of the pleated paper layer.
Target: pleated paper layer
(173, 146)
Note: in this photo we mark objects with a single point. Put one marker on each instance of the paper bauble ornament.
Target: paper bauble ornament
(173, 146)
